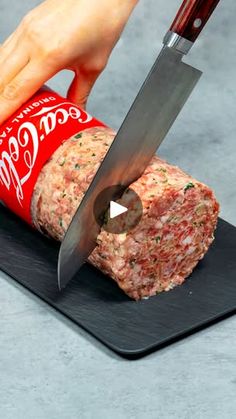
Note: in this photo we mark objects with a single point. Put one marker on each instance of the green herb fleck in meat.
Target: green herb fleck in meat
(63, 162)
(132, 263)
(173, 218)
(152, 196)
(93, 154)
(80, 144)
(157, 238)
(77, 166)
(161, 169)
(78, 135)
(104, 218)
(60, 222)
(198, 224)
(63, 195)
(188, 186)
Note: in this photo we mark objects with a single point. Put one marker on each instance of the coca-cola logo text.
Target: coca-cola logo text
(23, 147)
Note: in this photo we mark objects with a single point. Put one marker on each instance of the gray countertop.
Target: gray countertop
(49, 368)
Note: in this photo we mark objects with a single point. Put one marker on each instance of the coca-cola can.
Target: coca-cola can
(29, 138)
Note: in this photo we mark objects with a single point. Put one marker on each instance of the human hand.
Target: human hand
(78, 35)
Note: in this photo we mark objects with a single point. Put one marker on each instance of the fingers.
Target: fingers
(13, 58)
(81, 87)
(8, 46)
(7, 42)
(13, 64)
(22, 87)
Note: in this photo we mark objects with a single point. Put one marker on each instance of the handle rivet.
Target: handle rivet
(197, 23)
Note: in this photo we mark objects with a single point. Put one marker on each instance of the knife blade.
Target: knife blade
(158, 103)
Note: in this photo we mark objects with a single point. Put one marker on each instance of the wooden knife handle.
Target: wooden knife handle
(192, 17)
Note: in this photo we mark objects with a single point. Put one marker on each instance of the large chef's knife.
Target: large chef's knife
(161, 98)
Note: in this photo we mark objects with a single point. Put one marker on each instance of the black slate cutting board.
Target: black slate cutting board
(94, 302)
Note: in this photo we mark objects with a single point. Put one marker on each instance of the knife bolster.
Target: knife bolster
(177, 42)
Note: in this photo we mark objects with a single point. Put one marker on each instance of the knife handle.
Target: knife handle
(192, 17)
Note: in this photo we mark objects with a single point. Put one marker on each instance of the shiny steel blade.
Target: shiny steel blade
(157, 105)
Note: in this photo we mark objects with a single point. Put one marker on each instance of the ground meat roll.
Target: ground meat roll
(65, 178)
(176, 229)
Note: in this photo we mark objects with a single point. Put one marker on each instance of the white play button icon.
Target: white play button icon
(116, 209)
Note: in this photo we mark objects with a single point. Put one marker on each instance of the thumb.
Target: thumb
(81, 87)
